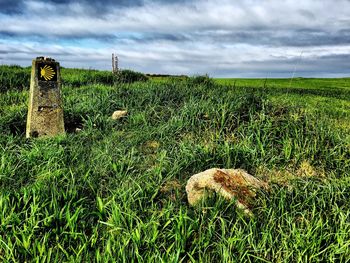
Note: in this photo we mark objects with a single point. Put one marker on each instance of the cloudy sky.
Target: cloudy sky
(224, 38)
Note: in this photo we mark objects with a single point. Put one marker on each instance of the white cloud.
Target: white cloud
(47, 18)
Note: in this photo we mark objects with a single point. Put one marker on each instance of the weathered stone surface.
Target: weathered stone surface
(229, 183)
(45, 113)
(119, 114)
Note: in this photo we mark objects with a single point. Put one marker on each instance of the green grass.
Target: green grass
(16, 78)
(307, 83)
(115, 190)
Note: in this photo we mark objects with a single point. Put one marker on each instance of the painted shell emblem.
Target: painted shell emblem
(47, 72)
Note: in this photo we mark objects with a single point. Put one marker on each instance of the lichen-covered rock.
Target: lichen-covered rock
(229, 183)
(119, 114)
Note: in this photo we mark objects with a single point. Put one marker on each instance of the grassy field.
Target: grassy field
(115, 191)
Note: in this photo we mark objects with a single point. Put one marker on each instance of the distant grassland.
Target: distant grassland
(330, 96)
(115, 191)
(335, 83)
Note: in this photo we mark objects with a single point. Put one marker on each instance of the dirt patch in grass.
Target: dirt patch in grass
(285, 176)
(171, 189)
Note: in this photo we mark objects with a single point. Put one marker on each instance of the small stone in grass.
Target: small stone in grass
(119, 114)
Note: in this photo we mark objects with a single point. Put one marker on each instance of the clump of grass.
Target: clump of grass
(129, 76)
(77, 78)
(200, 80)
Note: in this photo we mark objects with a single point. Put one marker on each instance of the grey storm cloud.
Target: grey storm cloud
(222, 37)
(91, 6)
(9, 6)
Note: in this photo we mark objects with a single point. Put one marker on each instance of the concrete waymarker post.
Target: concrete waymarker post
(45, 112)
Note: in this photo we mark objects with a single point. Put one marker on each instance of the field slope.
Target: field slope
(113, 191)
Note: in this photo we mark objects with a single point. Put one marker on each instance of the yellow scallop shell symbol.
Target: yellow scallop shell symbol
(47, 72)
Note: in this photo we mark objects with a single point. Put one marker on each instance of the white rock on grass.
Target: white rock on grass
(229, 183)
(119, 114)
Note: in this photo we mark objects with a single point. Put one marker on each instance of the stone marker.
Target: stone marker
(45, 113)
(119, 114)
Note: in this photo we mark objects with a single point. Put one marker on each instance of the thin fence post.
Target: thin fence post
(113, 63)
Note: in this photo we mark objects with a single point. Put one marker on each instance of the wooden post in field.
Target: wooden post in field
(45, 112)
(114, 63)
